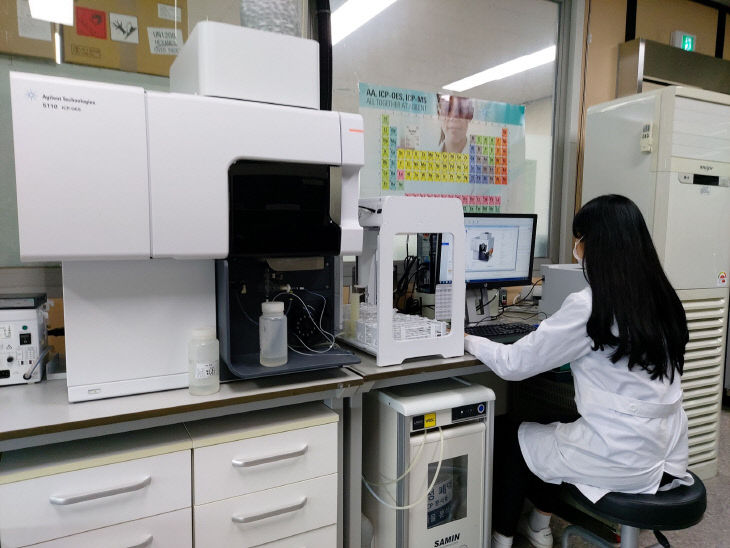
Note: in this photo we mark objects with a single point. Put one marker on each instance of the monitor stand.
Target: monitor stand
(477, 309)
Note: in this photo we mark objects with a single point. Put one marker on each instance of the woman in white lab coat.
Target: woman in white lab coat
(624, 337)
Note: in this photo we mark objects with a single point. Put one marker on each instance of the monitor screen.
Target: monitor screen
(499, 249)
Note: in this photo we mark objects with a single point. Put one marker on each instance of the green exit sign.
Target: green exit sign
(684, 40)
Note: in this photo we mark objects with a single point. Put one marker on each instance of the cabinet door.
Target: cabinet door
(73, 502)
(265, 516)
(171, 530)
(241, 467)
(81, 169)
(326, 537)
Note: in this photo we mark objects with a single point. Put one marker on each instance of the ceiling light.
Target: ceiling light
(353, 14)
(55, 11)
(515, 66)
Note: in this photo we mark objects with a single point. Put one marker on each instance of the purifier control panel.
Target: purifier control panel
(468, 411)
(444, 417)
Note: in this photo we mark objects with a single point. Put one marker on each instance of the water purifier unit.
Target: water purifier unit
(428, 472)
(668, 151)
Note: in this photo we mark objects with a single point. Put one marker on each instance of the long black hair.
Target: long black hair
(630, 288)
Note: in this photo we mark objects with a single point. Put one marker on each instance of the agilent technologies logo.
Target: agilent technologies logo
(30, 94)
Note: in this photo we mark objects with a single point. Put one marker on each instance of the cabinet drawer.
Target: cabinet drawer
(73, 502)
(258, 518)
(246, 466)
(171, 530)
(326, 537)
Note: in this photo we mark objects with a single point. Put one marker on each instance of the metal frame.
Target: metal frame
(643, 60)
(566, 127)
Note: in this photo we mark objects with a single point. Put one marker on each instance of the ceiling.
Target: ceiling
(425, 44)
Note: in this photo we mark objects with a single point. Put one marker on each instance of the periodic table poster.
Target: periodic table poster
(428, 144)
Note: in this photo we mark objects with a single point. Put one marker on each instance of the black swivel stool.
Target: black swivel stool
(671, 510)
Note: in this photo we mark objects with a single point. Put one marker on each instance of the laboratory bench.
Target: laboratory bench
(40, 414)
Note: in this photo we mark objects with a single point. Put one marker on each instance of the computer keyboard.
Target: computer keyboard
(501, 332)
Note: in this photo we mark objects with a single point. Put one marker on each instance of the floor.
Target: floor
(712, 532)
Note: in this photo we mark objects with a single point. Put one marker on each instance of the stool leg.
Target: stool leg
(629, 537)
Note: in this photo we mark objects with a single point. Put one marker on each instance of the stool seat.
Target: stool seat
(670, 510)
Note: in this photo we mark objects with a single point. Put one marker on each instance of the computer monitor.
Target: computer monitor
(499, 250)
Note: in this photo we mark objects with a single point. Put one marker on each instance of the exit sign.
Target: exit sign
(684, 40)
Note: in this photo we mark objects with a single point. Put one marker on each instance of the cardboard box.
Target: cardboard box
(132, 35)
(23, 35)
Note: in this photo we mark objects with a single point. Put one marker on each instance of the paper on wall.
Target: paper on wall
(165, 41)
(29, 27)
(170, 13)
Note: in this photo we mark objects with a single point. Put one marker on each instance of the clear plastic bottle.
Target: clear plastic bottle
(203, 367)
(272, 334)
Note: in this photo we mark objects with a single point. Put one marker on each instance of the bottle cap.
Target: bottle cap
(272, 307)
(203, 333)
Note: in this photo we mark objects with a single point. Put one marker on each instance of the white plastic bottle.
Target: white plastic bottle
(203, 367)
(272, 334)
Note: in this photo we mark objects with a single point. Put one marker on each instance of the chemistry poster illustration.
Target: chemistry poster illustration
(430, 144)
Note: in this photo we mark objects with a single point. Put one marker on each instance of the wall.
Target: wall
(606, 30)
(656, 19)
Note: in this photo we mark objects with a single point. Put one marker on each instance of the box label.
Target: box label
(124, 28)
(90, 22)
(164, 41)
(29, 27)
(430, 420)
(170, 13)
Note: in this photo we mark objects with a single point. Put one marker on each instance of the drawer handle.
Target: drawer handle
(63, 500)
(271, 513)
(247, 463)
(146, 542)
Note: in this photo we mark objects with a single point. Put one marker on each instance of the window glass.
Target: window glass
(447, 500)
(490, 143)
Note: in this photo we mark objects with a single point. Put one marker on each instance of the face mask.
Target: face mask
(575, 251)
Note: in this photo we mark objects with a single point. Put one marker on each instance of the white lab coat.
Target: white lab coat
(631, 429)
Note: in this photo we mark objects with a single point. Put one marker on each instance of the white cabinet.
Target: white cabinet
(79, 486)
(171, 530)
(326, 536)
(247, 466)
(264, 516)
(265, 476)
